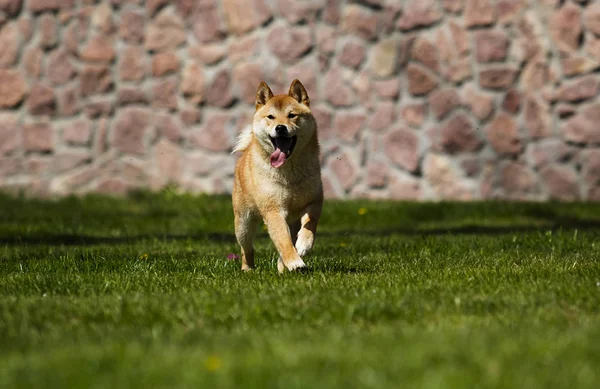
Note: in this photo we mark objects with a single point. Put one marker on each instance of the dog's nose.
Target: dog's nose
(281, 129)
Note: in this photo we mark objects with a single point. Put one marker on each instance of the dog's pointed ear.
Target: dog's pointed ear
(298, 92)
(263, 94)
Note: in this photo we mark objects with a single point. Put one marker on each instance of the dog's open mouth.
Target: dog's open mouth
(283, 149)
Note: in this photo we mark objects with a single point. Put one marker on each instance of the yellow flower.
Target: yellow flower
(212, 363)
(343, 244)
(144, 256)
(362, 211)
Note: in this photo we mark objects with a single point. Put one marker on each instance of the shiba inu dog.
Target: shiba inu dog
(278, 177)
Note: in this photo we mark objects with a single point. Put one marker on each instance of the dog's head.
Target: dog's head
(283, 124)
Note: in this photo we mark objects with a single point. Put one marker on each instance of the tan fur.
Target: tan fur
(289, 198)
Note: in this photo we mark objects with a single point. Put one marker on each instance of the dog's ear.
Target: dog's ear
(263, 94)
(298, 92)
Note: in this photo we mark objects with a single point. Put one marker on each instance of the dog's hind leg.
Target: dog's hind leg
(294, 229)
(245, 230)
(309, 221)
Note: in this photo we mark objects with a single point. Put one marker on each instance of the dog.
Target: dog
(278, 177)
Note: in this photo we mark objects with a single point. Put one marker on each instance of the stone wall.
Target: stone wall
(415, 99)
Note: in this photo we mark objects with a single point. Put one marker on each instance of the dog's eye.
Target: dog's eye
(292, 115)
(271, 117)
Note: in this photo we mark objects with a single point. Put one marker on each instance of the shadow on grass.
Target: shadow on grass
(86, 240)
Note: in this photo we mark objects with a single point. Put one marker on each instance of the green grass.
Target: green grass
(138, 293)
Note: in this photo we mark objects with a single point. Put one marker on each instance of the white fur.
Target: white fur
(295, 264)
(303, 245)
(243, 140)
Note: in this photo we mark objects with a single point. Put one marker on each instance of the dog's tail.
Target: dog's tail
(243, 140)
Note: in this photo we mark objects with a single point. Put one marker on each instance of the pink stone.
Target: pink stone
(324, 119)
(166, 32)
(383, 116)
(518, 181)
(48, 31)
(38, 137)
(192, 83)
(405, 187)
(562, 182)
(360, 21)
(242, 16)
(214, 135)
(592, 18)
(326, 37)
(537, 118)
(479, 13)
(402, 148)
(419, 13)
(338, 91)
(95, 80)
(443, 101)
(583, 128)
(581, 89)
(548, 151)
(131, 28)
(77, 133)
(490, 46)
(512, 101)
(503, 135)
(13, 88)
(165, 94)
(425, 52)
(498, 77)
(353, 54)
(289, 44)
(243, 48)
(32, 62)
(164, 63)
(9, 133)
(209, 54)
(206, 22)
(377, 174)
(481, 104)
(99, 108)
(414, 114)
(218, 92)
(345, 170)
(459, 135)
(387, 89)
(41, 100)
(168, 159)
(168, 127)
(348, 125)
(460, 38)
(129, 130)
(131, 66)
(565, 27)
(248, 75)
(10, 43)
(420, 81)
(60, 68)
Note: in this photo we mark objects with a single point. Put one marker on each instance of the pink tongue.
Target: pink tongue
(277, 158)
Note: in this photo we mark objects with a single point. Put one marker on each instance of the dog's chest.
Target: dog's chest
(293, 196)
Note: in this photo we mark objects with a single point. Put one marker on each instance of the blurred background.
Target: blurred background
(415, 99)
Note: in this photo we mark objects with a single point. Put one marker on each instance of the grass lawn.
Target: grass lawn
(138, 293)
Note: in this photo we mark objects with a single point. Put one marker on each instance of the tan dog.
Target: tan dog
(278, 177)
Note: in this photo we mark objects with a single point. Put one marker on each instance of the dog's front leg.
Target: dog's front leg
(279, 232)
(309, 221)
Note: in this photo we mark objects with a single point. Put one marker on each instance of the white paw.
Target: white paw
(303, 246)
(295, 264)
(280, 265)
